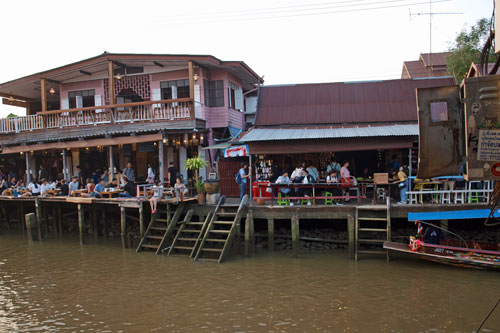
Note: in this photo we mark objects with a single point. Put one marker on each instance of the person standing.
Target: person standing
(80, 175)
(129, 190)
(403, 185)
(172, 173)
(243, 181)
(129, 172)
(151, 174)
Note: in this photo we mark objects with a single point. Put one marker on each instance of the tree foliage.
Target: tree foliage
(467, 48)
(11, 115)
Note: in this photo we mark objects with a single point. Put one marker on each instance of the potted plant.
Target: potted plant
(195, 164)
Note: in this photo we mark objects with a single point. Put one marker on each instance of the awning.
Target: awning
(277, 134)
(222, 145)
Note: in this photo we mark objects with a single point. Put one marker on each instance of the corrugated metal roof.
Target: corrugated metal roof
(272, 134)
(343, 102)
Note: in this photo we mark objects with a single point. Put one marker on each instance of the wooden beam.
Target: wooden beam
(21, 98)
(111, 84)
(85, 72)
(14, 102)
(158, 64)
(43, 91)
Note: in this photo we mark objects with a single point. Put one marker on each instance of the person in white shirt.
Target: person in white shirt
(52, 184)
(44, 187)
(151, 174)
(296, 173)
(34, 187)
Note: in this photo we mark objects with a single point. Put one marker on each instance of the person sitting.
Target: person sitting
(129, 190)
(52, 184)
(306, 192)
(113, 184)
(44, 188)
(90, 185)
(313, 172)
(180, 188)
(157, 193)
(433, 235)
(34, 188)
(334, 165)
(64, 188)
(297, 173)
(98, 189)
(332, 178)
(4, 185)
(73, 185)
(366, 174)
(283, 179)
(345, 178)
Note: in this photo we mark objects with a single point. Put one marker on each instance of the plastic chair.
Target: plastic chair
(473, 197)
(283, 202)
(328, 200)
(304, 201)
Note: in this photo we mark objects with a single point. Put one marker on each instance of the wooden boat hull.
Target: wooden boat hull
(456, 256)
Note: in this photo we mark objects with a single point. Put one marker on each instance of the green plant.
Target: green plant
(195, 164)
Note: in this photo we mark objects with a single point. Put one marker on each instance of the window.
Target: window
(81, 98)
(214, 93)
(174, 89)
(128, 70)
(439, 111)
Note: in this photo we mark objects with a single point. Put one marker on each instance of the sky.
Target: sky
(286, 41)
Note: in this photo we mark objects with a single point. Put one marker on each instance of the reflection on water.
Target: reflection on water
(58, 285)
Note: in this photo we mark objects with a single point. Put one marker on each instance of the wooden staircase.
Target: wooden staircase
(219, 233)
(368, 219)
(190, 234)
(160, 229)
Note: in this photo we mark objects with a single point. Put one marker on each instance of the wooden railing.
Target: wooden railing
(163, 110)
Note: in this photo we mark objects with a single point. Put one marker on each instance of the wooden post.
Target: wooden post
(270, 234)
(123, 224)
(111, 165)
(81, 223)
(191, 87)
(248, 221)
(111, 85)
(104, 224)
(59, 218)
(43, 87)
(30, 220)
(161, 167)
(20, 215)
(295, 234)
(141, 219)
(65, 167)
(38, 210)
(28, 170)
(350, 234)
(95, 224)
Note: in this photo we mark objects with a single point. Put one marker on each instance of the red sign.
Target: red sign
(495, 169)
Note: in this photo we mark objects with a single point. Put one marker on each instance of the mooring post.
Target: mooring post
(247, 234)
(252, 232)
(59, 218)
(123, 223)
(95, 222)
(295, 234)
(141, 219)
(20, 213)
(38, 211)
(350, 234)
(81, 223)
(270, 234)
(30, 220)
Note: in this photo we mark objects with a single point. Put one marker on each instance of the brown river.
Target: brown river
(58, 285)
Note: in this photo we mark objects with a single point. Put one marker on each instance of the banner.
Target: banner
(236, 151)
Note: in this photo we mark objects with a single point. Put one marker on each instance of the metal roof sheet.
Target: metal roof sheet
(272, 134)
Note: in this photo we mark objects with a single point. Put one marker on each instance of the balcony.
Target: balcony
(139, 112)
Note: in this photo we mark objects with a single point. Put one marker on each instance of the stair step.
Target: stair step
(373, 207)
(223, 222)
(373, 251)
(220, 231)
(191, 231)
(209, 249)
(229, 214)
(372, 218)
(150, 246)
(208, 259)
(190, 248)
(154, 237)
(159, 228)
(161, 220)
(371, 240)
(215, 240)
(372, 229)
(193, 223)
(185, 239)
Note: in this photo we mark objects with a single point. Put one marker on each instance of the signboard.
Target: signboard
(236, 151)
(146, 147)
(488, 148)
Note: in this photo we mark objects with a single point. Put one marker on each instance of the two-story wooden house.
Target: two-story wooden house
(105, 111)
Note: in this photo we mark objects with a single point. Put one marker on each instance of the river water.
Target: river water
(58, 285)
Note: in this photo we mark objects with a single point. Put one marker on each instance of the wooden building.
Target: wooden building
(105, 111)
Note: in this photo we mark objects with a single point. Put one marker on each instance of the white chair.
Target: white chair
(413, 198)
(445, 197)
(459, 197)
(381, 193)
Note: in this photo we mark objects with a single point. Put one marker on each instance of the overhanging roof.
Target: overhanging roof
(274, 134)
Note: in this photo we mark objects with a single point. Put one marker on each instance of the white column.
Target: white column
(111, 164)
(65, 165)
(28, 171)
(182, 162)
(409, 162)
(161, 167)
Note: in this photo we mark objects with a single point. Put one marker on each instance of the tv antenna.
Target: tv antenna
(431, 13)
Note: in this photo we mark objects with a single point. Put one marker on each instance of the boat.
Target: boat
(450, 255)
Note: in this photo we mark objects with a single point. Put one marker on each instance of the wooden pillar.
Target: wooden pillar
(65, 167)
(104, 224)
(295, 234)
(38, 210)
(270, 234)
(28, 169)
(111, 85)
(123, 224)
(59, 218)
(141, 219)
(81, 223)
(161, 167)
(20, 213)
(111, 165)
(43, 87)
(191, 87)
(95, 224)
(248, 233)
(350, 234)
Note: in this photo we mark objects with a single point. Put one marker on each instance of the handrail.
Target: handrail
(114, 106)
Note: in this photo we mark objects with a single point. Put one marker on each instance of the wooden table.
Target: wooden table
(110, 194)
(53, 192)
(75, 193)
(428, 186)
